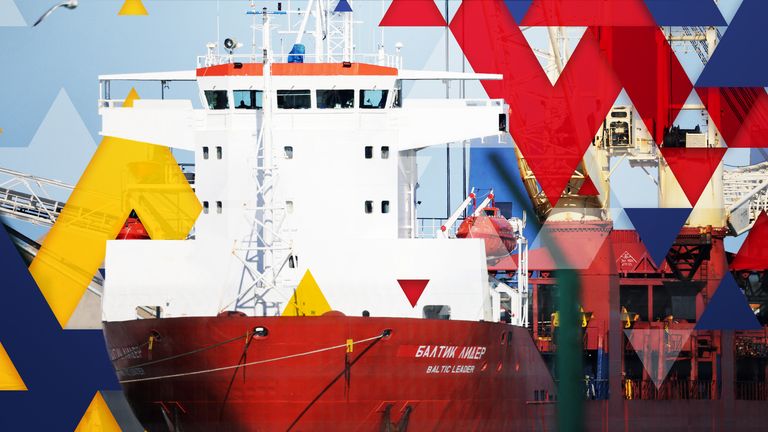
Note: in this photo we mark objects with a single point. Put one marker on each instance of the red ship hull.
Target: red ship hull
(427, 374)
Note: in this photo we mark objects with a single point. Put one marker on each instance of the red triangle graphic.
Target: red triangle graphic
(413, 13)
(650, 73)
(588, 13)
(588, 188)
(552, 126)
(753, 254)
(740, 114)
(693, 167)
(413, 288)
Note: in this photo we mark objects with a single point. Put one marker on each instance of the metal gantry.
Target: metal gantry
(30, 198)
(745, 191)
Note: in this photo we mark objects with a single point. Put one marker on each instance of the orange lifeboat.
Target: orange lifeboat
(133, 229)
(499, 235)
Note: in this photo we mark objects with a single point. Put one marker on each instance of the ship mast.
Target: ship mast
(264, 252)
(267, 250)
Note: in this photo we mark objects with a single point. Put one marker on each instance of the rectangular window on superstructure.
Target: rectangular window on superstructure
(369, 207)
(205, 152)
(369, 152)
(288, 152)
(335, 99)
(373, 99)
(219, 207)
(217, 99)
(205, 207)
(248, 99)
(385, 152)
(385, 206)
(219, 152)
(442, 312)
(294, 99)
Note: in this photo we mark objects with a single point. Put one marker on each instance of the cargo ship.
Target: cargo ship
(312, 296)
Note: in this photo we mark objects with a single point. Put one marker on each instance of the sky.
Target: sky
(49, 119)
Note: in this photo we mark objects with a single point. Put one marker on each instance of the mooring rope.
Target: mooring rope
(253, 363)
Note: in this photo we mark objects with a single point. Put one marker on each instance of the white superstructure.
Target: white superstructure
(299, 166)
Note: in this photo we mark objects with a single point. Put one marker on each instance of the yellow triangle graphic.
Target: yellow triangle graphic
(133, 7)
(131, 98)
(10, 380)
(98, 417)
(308, 299)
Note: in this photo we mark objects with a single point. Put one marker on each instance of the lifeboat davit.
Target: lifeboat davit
(497, 232)
(133, 230)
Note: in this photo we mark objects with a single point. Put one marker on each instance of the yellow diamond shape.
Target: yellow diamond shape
(98, 417)
(132, 96)
(308, 299)
(10, 380)
(133, 7)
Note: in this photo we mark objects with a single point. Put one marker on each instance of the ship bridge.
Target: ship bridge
(231, 94)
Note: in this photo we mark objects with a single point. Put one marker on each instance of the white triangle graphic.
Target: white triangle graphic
(10, 15)
(540, 41)
(658, 349)
(60, 149)
(688, 54)
(728, 8)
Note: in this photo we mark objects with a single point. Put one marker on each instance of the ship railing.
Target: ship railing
(751, 390)
(388, 60)
(472, 103)
(430, 227)
(670, 389)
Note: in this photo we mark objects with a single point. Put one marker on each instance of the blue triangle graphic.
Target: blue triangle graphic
(658, 228)
(685, 13)
(343, 6)
(745, 28)
(21, 329)
(518, 8)
(728, 309)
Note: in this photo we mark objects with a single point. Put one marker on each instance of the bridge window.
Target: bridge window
(248, 99)
(385, 206)
(205, 207)
(217, 99)
(219, 207)
(294, 99)
(205, 152)
(219, 152)
(385, 152)
(369, 152)
(373, 99)
(335, 99)
(369, 207)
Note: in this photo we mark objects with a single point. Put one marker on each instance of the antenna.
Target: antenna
(253, 30)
